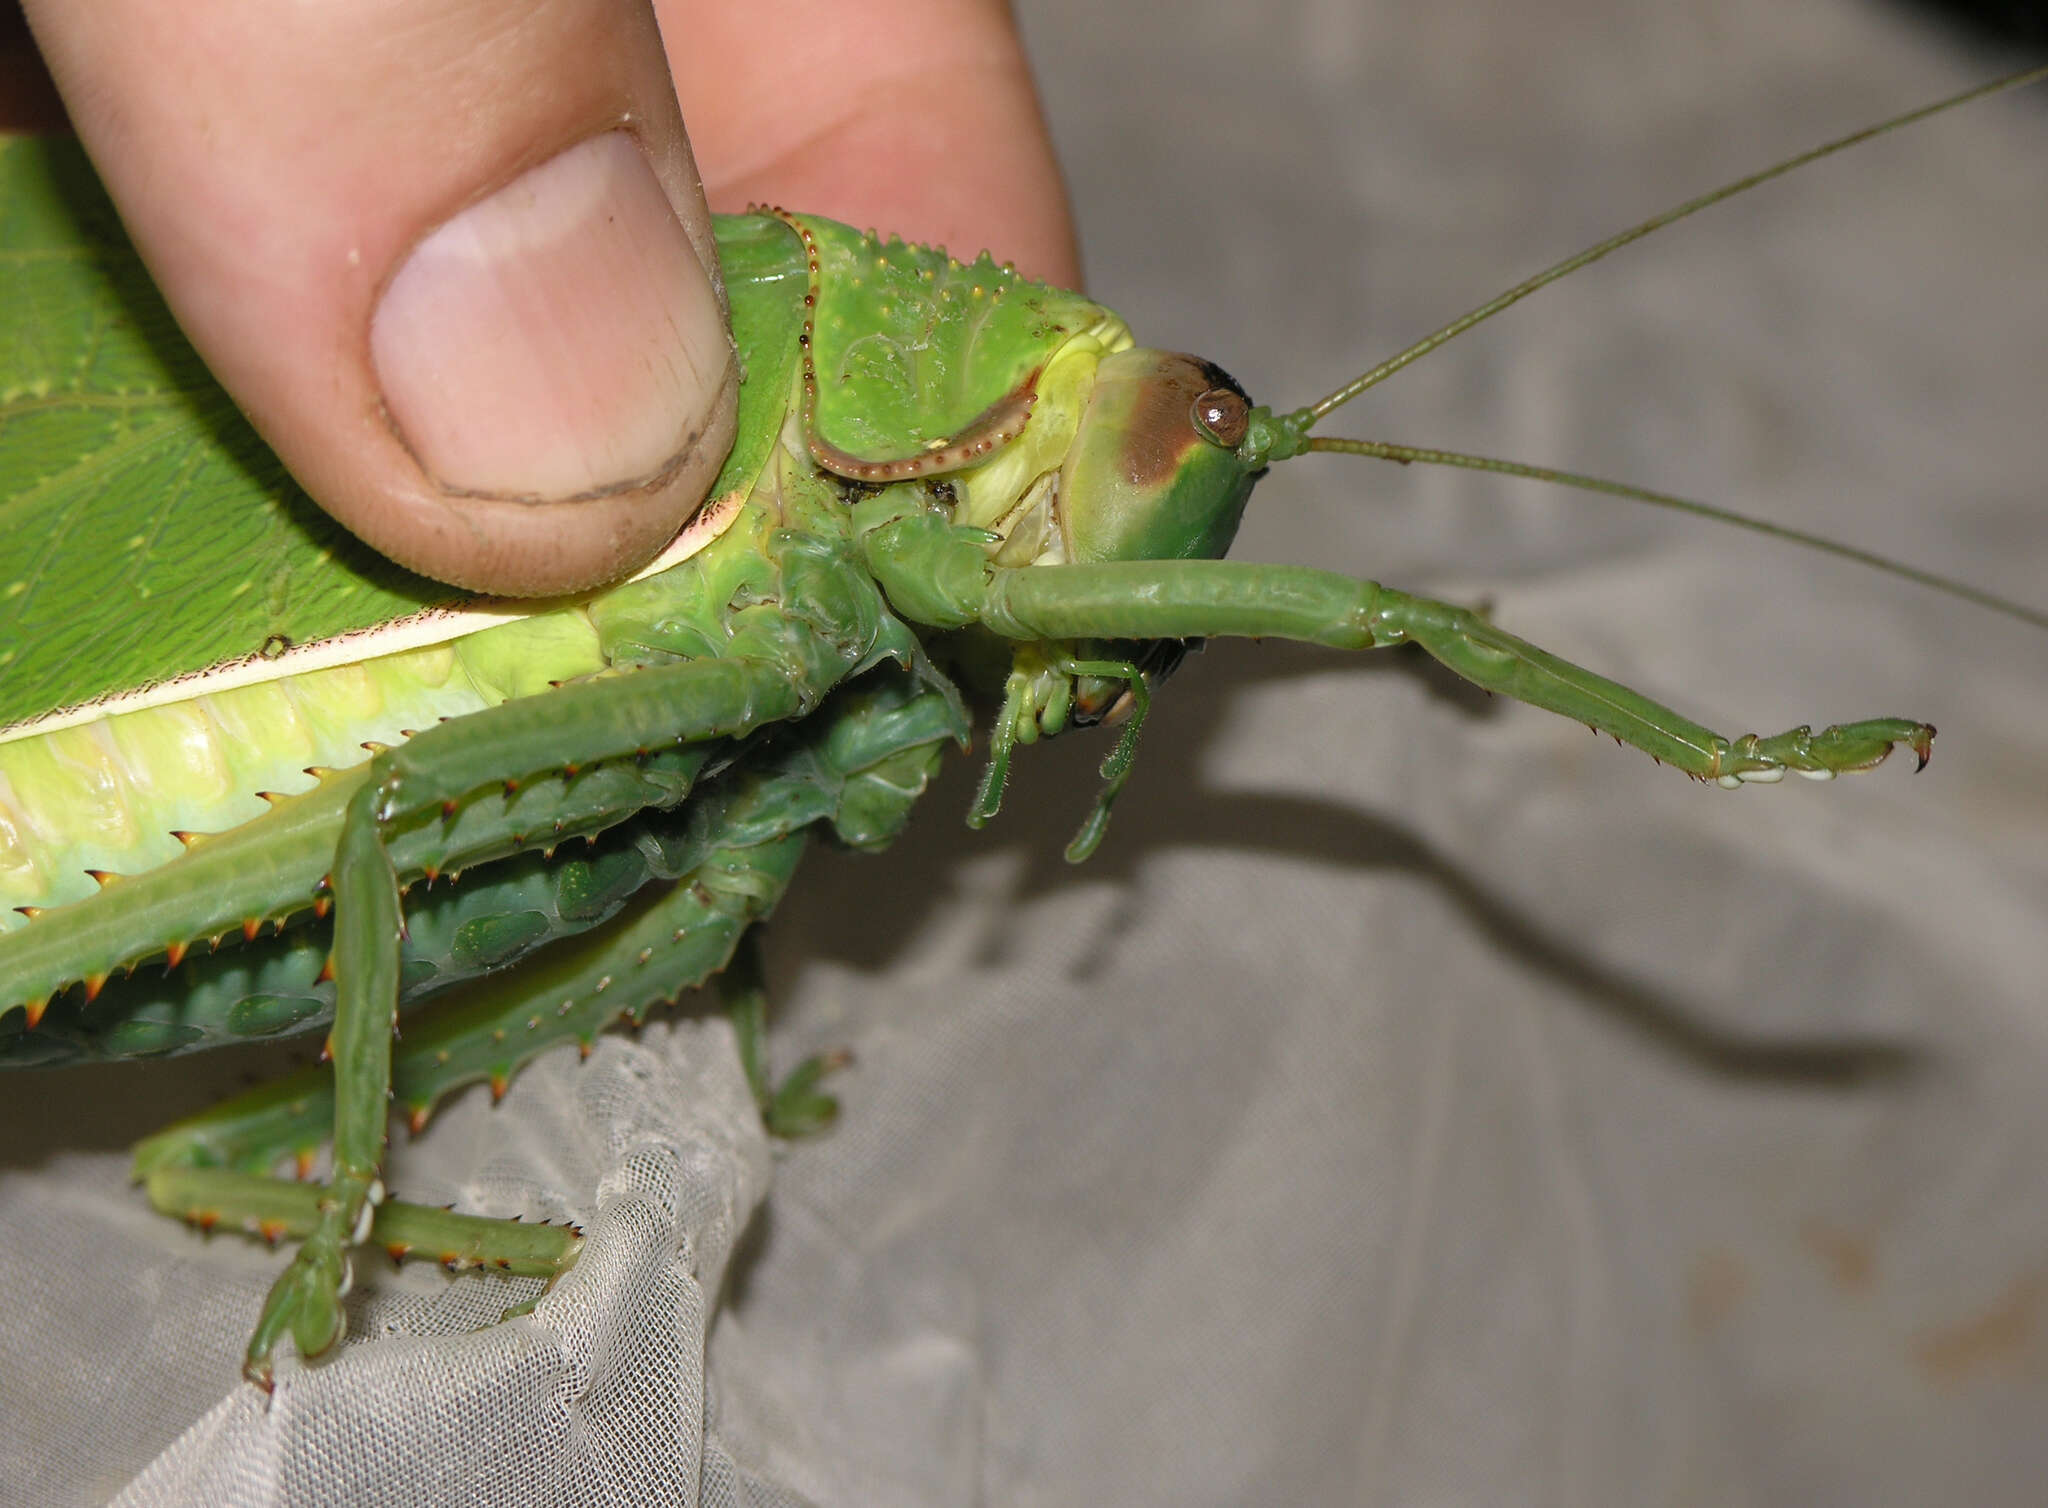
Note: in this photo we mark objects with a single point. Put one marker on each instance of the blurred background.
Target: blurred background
(1418, 1100)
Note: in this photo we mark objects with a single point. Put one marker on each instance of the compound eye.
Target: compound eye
(1222, 415)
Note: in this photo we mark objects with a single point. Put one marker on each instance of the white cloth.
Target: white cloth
(1417, 1101)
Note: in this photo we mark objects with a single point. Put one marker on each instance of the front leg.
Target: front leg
(1184, 599)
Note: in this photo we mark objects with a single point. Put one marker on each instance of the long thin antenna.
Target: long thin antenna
(1405, 454)
(1522, 290)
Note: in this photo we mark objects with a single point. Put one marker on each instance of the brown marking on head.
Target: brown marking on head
(1184, 402)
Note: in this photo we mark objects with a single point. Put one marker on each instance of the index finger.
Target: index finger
(917, 117)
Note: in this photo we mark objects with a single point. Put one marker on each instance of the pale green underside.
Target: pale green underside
(111, 795)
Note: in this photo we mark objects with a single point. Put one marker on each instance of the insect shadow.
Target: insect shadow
(1171, 795)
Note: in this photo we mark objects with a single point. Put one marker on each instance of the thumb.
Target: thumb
(450, 256)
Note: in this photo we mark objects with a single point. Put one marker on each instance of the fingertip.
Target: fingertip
(920, 117)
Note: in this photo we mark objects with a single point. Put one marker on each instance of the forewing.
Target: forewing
(148, 531)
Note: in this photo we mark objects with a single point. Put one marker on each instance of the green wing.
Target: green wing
(147, 530)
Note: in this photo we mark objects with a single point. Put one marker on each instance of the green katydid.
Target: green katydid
(864, 520)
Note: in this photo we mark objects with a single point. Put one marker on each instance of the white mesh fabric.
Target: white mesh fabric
(1417, 1101)
(601, 1387)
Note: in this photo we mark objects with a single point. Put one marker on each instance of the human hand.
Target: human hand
(453, 259)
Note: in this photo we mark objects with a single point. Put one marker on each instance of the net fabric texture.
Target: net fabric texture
(653, 1142)
(1416, 1101)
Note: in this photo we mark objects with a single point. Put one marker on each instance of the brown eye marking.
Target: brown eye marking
(1222, 415)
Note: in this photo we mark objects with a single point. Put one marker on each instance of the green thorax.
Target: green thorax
(918, 363)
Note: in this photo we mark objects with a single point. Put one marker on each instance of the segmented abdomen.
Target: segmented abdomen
(112, 795)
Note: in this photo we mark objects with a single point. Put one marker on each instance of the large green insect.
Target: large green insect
(1030, 507)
